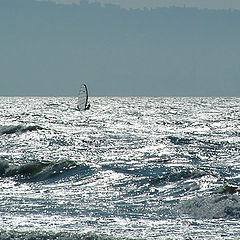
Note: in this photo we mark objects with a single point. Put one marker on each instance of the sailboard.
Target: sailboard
(82, 103)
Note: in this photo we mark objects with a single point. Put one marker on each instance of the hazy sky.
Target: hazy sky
(121, 49)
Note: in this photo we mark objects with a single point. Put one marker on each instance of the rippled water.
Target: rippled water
(128, 168)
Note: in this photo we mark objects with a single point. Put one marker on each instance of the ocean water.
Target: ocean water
(128, 168)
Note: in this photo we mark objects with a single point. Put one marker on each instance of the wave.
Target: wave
(40, 171)
(160, 174)
(10, 129)
(179, 141)
(4, 234)
(221, 203)
(176, 175)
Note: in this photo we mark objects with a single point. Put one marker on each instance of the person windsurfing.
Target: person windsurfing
(83, 103)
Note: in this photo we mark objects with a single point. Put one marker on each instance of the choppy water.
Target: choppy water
(128, 168)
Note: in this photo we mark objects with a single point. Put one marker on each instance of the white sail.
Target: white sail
(82, 103)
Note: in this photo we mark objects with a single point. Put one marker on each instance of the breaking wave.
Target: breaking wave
(10, 129)
(40, 171)
(215, 206)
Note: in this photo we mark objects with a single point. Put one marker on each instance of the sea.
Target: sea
(128, 168)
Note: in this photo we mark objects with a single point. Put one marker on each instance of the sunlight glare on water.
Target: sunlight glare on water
(142, 168)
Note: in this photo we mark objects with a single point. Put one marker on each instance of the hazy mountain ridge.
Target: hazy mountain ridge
(152, 4)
